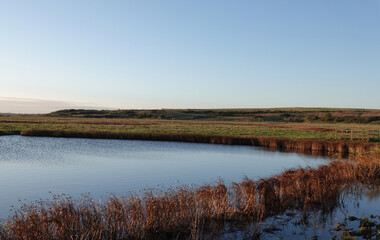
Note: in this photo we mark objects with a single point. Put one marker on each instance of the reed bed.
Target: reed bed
(188, 212)
(306, 146)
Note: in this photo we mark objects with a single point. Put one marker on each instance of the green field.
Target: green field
(312, 123)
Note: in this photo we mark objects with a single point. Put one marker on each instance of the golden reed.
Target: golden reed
(188, 212)
(305, 146)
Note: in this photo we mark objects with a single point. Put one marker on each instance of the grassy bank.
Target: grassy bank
(188, 212)
(293, 136)
(213, 123)
(225, 128)
(302, 146)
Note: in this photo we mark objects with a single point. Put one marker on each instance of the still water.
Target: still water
(32, 167)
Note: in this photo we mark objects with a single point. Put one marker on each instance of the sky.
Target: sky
(188, 54)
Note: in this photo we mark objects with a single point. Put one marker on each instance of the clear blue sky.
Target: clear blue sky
(189, 54)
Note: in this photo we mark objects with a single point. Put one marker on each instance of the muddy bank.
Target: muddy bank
(305, 146)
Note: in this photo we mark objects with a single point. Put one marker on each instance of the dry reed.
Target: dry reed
(343, 148)
(188, 212)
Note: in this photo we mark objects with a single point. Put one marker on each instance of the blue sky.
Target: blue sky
(189, 54)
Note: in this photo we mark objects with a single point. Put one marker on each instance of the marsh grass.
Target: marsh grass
(207, 127)
(302, 145)
(189, 212)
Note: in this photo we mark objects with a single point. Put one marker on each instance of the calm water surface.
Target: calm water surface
(358, 201)
(31, 167)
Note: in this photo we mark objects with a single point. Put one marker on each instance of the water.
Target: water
(359, 201)
(31, 167)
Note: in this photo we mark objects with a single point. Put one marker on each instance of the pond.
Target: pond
(33, 168)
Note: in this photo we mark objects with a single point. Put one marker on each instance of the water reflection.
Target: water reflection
(355, 203)
(299, 203)
(30, 167)
(373, 193)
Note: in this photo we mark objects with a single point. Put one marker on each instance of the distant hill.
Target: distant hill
(345, 115)
(8, 114)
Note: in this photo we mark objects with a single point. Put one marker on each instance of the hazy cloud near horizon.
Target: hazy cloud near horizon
(27, 105)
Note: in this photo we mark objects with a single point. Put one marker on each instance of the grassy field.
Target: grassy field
(256, 115)
(240, 122)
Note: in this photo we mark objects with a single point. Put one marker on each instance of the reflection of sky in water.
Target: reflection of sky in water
(357, 201)
(30, 167)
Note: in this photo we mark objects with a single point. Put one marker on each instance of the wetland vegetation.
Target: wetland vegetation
(195, 213)
(317, 124)
(206, 211)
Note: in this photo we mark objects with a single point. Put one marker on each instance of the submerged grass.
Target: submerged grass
(189, 212)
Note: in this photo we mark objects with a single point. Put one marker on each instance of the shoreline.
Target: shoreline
(308, 146)
(194, 213)
(207, 209)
